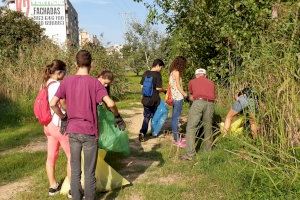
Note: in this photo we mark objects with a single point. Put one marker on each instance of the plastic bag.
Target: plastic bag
(111, 138)
(107, 178)
(237, 126)
(159, 118)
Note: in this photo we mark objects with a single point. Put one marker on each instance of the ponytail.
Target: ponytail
(47, 74)
(56, 65)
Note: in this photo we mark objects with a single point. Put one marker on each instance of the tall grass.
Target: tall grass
(271, 68)
(20, 78)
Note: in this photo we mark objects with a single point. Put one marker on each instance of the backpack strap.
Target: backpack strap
(48, 91)
(50, 83)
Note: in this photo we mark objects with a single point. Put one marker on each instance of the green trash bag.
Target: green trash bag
(111, 137)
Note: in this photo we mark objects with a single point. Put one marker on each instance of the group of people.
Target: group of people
(202, 94)
(73, 101)
(74, 126)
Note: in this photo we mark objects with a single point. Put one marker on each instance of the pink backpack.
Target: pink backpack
(41, 107)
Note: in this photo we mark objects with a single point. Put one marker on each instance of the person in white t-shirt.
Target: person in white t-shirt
(55, 72)
(177, 69)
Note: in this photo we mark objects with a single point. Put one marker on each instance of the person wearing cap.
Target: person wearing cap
(202, 94)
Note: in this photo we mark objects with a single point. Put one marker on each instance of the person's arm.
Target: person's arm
(159, 87)
(54, 106)
(191, 92)
(216, 92)
(60, 94)
(111, 105)
(63, 104)
(161, 90)
(178, 85)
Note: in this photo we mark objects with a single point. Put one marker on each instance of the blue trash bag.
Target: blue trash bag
(159, 118)
(111, 138)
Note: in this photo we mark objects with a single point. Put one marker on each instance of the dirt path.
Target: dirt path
(39, 144)
(9, 191)
(140, 159)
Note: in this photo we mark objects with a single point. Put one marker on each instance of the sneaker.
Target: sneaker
(181, 144)
(69, 194)
(54, 190)
(141, 137)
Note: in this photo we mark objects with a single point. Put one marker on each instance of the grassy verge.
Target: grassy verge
(15, 166)
(215, 175)
(19, 136)
(158, 173)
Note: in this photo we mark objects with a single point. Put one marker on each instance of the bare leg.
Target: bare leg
(50, 173)
(228, 120)
(64, 142)
(69, 170)
(253, 126)
(53, 147)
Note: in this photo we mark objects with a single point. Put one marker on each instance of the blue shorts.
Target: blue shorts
(242, 103)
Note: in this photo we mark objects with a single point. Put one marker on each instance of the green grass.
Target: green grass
(15, 166)
(19, 136)
(40, 185)
(218, 174)
(214, 175)
(134, 81)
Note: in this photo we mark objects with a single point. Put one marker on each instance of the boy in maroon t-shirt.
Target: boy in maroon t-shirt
(82, 93)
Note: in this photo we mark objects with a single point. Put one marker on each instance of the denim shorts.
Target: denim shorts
(243, 102)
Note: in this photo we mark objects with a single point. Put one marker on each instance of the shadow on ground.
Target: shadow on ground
(20, 136)
(134, 166)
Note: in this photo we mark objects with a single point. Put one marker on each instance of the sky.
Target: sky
(108, 17)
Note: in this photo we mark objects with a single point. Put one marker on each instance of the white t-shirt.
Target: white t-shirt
(176, 95)
(51, 92)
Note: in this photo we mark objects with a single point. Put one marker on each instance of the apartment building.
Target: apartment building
(58, 17)
(86, 38)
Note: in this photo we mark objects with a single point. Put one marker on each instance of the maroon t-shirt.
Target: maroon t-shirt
(202, 87)
(82, 94)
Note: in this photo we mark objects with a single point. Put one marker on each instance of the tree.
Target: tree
(16, 30)
(243, 42)
(142, 43)
(213, 34)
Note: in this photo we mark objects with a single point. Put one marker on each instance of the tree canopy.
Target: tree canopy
(142, 45)
(16, 30)
(219, 34)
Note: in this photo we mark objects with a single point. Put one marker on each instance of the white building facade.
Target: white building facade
(57, 17)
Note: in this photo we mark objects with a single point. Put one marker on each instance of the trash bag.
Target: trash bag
(237, 126)
(159, 118)
(111, 138)
(107, 178)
